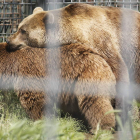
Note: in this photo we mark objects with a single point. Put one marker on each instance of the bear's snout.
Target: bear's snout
(12, 48)
(14, 43)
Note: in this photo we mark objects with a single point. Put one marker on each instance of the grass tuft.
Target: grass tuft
(15, 125)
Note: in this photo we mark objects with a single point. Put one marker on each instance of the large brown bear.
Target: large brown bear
(87, 82)
(97, 27)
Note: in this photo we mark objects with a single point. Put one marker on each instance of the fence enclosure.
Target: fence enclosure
(13, 11)
(11, 14)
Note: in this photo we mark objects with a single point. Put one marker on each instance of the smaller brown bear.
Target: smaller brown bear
(87, 86)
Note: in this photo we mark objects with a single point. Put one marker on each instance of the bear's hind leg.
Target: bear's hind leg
(93, 110)
(33, 103)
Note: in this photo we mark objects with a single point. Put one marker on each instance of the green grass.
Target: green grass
(16, 129)
(59, 129)
(15, 125)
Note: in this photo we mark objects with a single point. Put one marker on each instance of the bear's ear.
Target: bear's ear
(49, 18)
(37, 9)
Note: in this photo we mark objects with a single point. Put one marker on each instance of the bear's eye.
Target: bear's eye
(22, 31)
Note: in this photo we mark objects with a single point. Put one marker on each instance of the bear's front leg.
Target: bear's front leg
(33, 103)
(93, 110)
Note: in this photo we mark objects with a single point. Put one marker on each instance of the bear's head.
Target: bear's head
(53, 28)
(31, 31)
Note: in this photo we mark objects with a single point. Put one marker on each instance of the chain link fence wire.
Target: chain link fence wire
(13, 11)
(11, 14)
(132, 4)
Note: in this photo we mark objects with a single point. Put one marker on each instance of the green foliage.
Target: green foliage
(61, 129)
(15, 125)
(9, 105)
(103, 135)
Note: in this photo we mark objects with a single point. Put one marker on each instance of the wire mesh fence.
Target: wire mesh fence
(13, 11)
(132, 4)
(11, 14)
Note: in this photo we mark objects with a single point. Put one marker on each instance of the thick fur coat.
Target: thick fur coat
(99, 28)
(87, 82)
(96, 27)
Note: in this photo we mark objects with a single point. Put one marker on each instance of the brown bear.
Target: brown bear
(87, 82)
(97, 27)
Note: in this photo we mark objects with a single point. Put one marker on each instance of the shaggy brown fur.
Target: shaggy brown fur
(97, 27)
(88, 83)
